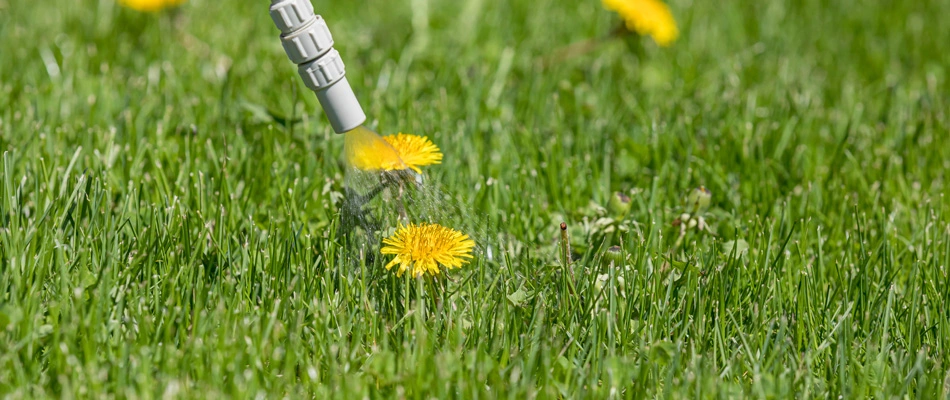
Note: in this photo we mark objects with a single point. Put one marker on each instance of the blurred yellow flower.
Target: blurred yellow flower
(647, 17)
(420, 249)
(366, 151)
(150, 5)
(415, 151)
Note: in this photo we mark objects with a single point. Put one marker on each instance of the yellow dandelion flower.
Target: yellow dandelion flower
(420, 249)
(415, 151)
(366, 151)
(150, 5)
(647, 17)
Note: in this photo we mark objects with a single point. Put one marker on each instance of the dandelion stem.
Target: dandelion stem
(582, 47)
(400, 207)
(566, 256)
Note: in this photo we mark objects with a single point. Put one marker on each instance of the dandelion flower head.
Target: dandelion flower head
(366, 151)
(421, 249)
(647, 17)
(415, 151)
(150, 5)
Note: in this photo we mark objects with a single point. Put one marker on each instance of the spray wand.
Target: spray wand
(309, 44)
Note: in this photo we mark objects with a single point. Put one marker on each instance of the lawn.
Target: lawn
(170, 203)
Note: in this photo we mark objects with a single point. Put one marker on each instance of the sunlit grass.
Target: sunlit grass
(170, 193)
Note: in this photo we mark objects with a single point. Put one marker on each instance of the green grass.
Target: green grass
(165, 231)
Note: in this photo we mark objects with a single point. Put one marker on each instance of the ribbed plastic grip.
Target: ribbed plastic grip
(291, 15)
(324, 71)
(308, 43)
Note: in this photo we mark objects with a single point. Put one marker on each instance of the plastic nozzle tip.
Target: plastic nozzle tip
(341, 107)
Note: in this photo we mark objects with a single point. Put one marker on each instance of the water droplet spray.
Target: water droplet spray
(381, 192)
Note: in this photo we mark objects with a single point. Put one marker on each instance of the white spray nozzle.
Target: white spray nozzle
(309, 44)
